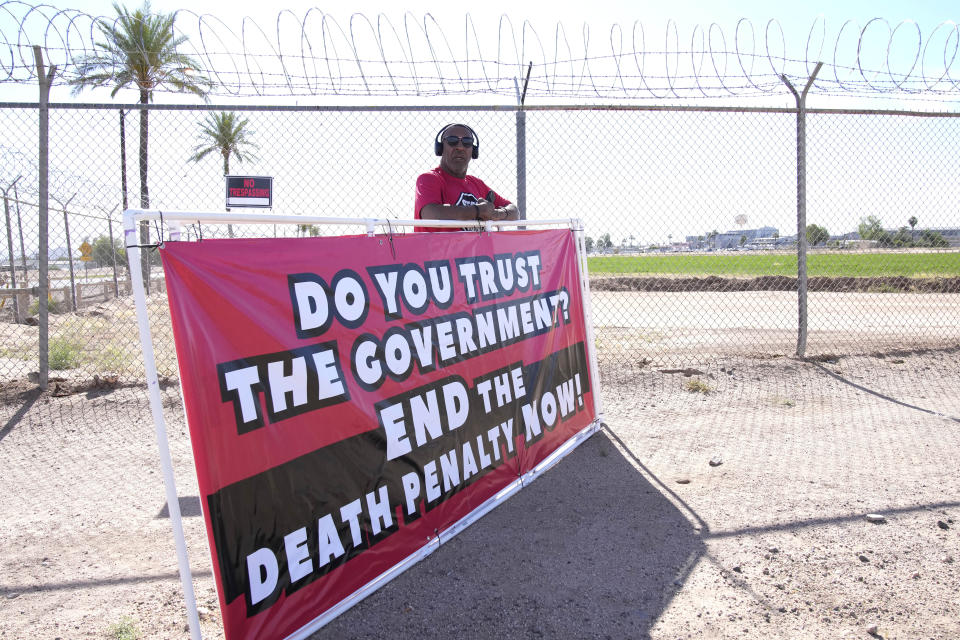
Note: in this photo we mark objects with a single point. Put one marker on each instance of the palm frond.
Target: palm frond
(139, 49)
(226, 133)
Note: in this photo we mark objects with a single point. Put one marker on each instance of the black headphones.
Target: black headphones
(438, 143)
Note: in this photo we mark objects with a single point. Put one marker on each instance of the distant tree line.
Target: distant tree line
(871, 229)
(603, 242)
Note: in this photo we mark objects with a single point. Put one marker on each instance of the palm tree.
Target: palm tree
(139, 49)
(228, 134)
(913, 223)
(712, 237)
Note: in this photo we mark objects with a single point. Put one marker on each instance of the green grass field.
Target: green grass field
(912, 265)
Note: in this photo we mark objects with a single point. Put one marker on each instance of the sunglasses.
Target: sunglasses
(454, 141)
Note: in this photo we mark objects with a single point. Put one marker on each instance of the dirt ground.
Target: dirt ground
(636, 534)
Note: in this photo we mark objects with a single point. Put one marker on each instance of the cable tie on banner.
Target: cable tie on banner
(160, 227)
(393, 248)
(199, 232)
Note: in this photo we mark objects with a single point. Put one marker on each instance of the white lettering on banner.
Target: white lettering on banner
(449, 470)
(469, 465)
(350, 513)
(424, 413)
(391, 418)
(465, 333)
(415, 289)
(422, 339)
(314, 300)
(451, 338)
(282, 384)
(379, 511)
(564, 400)
(313, 308)
(328, 541)
(548, 409)
(453, 410)
(411, 491)
(366, 367)
(531, 423)
(488, 278)
(262, 574)
(350, 297)
(425, 416)
(431, 484)
(396, 354)
(456, 466)
(241, 381)
(263, 567)
(413, 286)
(445, 340)
(289, 380)
(386, 282)
(505, 387)
(299, 564)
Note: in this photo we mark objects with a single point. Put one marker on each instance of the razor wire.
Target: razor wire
(315, 54)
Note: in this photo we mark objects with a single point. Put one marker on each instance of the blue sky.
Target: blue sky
(596, 12)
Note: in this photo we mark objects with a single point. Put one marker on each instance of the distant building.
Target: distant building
(736, 238)
(697, 242)
(730, 239)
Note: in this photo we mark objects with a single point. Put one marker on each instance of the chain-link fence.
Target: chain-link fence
(691, 216)
(692, 221)
(719, 247)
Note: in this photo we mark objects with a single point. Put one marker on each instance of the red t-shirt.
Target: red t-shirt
(439, 187)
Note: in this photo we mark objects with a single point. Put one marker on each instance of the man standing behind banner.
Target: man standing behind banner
(448, 193)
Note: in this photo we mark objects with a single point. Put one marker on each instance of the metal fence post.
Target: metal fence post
(522, 162)
(13, 267)
(43, 161)
(123, 158)
(13, 264)
(522, 148)
(145, 264)
(113, 254)
(23, 251)
(802, 208)
(66, 228)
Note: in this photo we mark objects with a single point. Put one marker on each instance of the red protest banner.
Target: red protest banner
(349, 398)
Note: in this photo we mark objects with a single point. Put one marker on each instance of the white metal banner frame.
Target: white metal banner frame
(173, 221)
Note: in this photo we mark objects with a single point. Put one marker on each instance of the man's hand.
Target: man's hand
(489, 212)
(486, 211)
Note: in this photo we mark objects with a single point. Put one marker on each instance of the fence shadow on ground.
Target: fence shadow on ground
(880, 395)
(24, 401)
